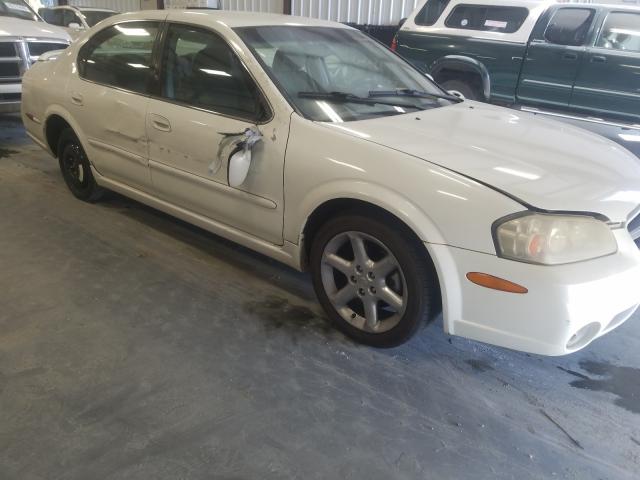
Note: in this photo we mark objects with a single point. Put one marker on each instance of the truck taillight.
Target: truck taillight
(394, 44)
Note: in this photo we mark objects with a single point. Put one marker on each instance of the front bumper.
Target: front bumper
(566, 308)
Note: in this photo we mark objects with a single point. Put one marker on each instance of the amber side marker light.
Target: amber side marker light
(495, 283)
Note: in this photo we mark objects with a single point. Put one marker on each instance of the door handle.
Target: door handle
(77, 98)
(160, 123)
(598, 59)
(570, 56)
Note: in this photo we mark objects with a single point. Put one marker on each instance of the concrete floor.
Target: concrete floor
(133, 346)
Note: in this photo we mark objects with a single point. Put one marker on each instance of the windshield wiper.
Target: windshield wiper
(407, 92)
(344, 97)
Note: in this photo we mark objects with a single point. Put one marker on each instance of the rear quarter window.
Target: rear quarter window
(487, 18)
(431, 12)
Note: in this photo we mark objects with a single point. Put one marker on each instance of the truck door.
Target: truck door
(554, 57)
(609, 80)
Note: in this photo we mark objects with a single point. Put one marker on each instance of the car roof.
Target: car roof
(606, 6)
(228, 18)
(95, 9)
(506, 3)
(81, 9)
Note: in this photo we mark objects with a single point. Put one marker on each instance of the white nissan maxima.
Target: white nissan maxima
(313, 144)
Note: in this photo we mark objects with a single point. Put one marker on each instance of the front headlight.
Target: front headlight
(553, 239)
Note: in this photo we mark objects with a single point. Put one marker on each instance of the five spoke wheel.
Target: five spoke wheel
(364, 282)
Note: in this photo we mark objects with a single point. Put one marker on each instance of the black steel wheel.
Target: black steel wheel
(76, 169)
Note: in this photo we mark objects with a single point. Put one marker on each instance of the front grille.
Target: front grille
(8, 49)
(10, 62)
(10, 69)
(634, 229)
(16, 56)
(10, 97)
(38, 48)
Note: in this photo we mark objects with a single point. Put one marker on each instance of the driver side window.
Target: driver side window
(200, 70)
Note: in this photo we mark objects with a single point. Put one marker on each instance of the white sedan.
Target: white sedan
(309, 142)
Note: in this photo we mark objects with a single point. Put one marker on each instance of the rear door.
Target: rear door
(609, 80)
(554, 56)
(109, 98)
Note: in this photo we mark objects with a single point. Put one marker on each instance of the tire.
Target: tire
(76, 169)
(469, 91)
(338, 274)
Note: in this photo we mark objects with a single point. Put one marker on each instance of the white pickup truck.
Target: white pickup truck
(23, 38)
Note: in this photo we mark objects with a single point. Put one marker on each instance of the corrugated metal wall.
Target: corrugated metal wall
(372, 12)
(268, 6)
(118, 5)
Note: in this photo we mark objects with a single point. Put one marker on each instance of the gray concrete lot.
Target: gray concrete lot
(134, 346)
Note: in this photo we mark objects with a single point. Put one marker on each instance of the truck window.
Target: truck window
(621, 31)
(431, 12)
(487, 18)
(569, 26)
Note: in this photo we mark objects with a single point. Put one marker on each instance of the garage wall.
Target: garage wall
(118, 5)
(369, 12)
(267, 6)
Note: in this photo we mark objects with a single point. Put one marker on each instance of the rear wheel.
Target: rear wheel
(469, 91)
(76, 169)
(375, 282)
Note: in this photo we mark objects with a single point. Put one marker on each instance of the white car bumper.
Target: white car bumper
(566, 308)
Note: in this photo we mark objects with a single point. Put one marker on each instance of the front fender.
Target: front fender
(372, 193)
(463, 64)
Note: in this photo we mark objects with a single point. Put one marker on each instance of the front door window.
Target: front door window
(201, 71)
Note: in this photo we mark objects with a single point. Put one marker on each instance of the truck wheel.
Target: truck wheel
(76, 169)
(376, 284)
(469, 91)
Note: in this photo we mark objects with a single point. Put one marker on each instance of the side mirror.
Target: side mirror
(456, 93)
(239, 164)
(75, 26)
(401, 22)
(240, 161)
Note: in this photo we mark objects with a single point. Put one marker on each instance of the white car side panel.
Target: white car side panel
(326, 162)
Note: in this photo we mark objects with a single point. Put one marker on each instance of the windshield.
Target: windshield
(94, 16)
(340, 75)
(17, 9)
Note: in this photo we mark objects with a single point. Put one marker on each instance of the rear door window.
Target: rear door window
(569, 26)
(120, 56)
(431, 12)
(53, 16)
(621, 31)
(487, 18)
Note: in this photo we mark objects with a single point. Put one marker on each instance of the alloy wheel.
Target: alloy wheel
(364, 282)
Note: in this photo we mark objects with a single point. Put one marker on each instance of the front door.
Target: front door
(609, 80)
(207, 96)
(114, 74)
(553, 58)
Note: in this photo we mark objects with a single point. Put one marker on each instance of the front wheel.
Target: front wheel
(76, 169)
(374, 280)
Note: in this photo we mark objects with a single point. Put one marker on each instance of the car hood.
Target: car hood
(540, 162)
(14, 27)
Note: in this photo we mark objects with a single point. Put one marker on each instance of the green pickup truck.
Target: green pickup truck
(558, 58)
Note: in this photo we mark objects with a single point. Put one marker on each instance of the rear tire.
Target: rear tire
(381, 295)
(469, 91)
(76, 169)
